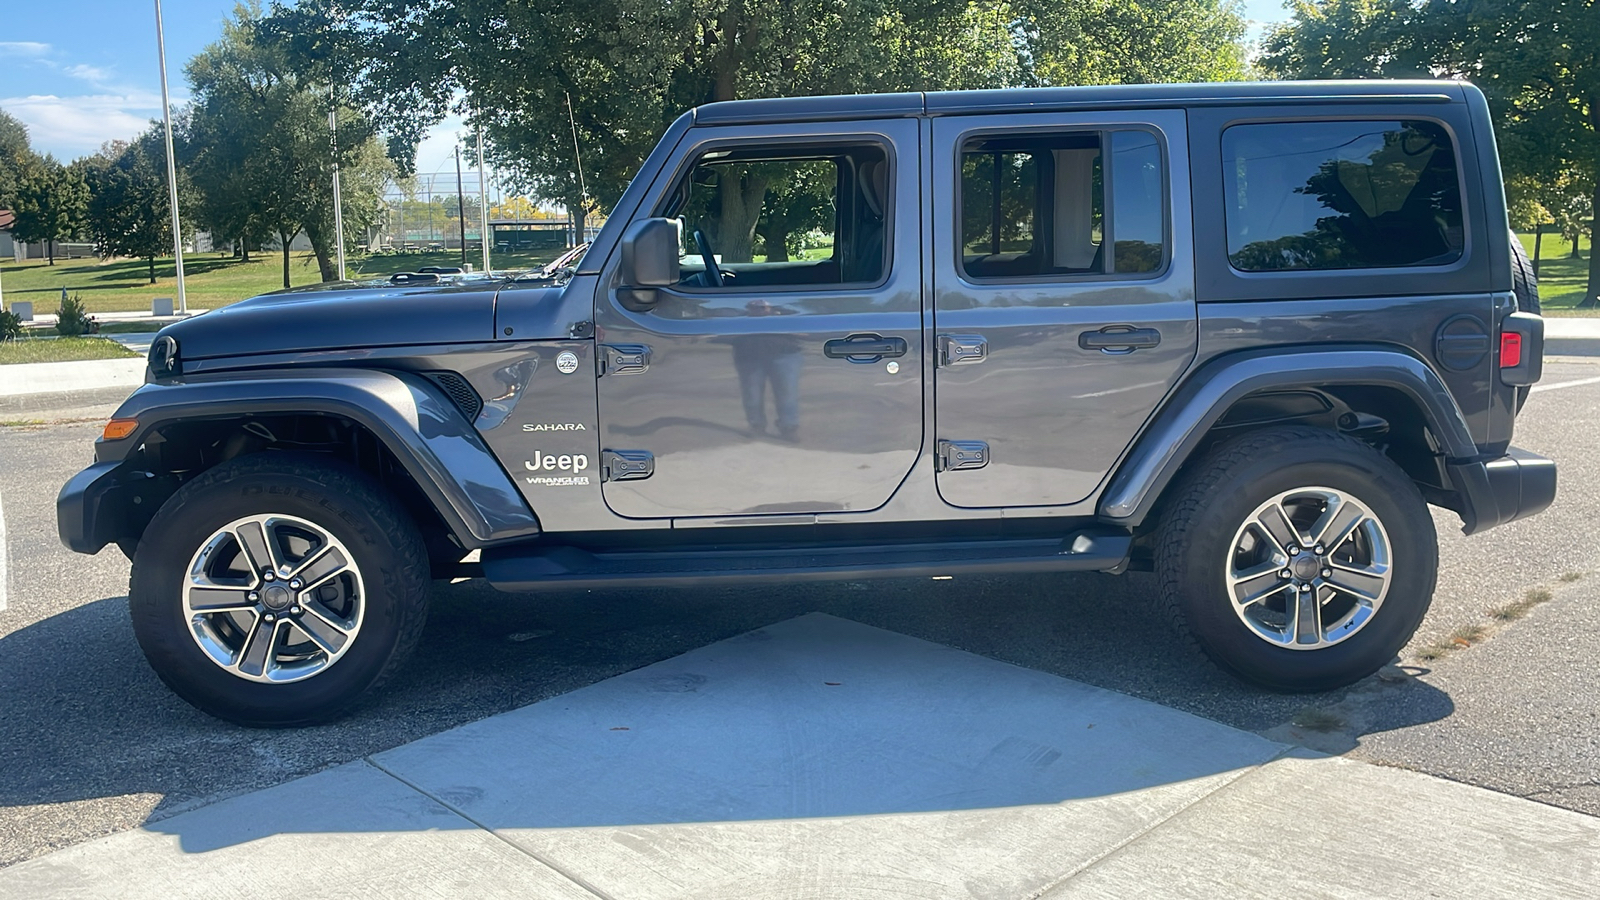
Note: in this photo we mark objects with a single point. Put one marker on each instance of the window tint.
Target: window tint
(1036, 205)
(1340, 195)
(769, 220)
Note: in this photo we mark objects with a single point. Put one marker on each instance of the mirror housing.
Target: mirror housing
(649, 259)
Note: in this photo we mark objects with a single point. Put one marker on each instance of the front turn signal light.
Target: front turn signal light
(117, 429)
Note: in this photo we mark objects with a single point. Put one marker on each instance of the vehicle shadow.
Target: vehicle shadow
(85, 718)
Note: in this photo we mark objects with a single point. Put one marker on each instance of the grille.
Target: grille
(459, 391)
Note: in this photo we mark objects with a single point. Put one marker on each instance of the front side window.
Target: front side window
(756, 218)
(1341, 195)
(1036, 205)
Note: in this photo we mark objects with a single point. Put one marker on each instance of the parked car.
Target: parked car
(1241, 335)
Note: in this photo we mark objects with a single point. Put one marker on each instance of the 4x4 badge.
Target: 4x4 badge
(566, 362)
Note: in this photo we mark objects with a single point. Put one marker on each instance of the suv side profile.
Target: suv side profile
(1241, 335)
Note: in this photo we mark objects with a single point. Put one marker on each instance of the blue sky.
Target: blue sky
(85, 73)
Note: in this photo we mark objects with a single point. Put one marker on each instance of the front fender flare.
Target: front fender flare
(1173, 434)
(441, 451)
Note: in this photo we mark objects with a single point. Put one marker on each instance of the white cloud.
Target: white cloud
(23, 48)
(92, 74)
(74, 126)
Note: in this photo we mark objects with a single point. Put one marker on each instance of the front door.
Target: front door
(782, 375)
(1063, 297)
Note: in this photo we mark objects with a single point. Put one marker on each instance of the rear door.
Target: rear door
(1064, 304)
(785, 378)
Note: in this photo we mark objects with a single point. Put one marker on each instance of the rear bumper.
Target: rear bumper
(1503, 490)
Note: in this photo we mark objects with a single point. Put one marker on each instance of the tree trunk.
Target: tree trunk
(1538, 238)
(285, 238)
(741, 196)
(776, 236)
(50, 251)
(1593, 292)
(319, 246)
(151, 262)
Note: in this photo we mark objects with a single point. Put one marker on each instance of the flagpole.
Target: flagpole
(172, 164)
(338, 204)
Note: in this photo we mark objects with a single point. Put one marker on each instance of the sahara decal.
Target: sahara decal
(554, 426)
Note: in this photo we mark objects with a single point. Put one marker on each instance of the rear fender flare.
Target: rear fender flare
(441, 451)
(1206, 395)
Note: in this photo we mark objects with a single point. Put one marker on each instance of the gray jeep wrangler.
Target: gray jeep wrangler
(1241, 335)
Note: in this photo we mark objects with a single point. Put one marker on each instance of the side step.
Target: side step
(528, 568)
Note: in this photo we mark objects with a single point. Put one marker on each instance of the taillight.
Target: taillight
(1510, 349)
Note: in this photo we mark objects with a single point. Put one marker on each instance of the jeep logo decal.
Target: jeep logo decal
(575, 462)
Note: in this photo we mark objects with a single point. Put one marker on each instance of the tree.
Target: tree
(129, 214)
(629, 67)
(258, 145)
(51, 203)
(1538, 61)
(16, 156)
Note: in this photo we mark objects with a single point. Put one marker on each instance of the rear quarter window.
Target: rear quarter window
(1341, 195)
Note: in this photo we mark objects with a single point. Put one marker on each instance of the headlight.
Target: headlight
(164, 356)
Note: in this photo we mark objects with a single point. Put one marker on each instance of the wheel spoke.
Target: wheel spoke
(321, 567)
(257, 547)
(326, 629)
(1363, 581)
(213, 599)
(1278, 529)
(256, 652)
(1305, 618)
(1256, 584)
(1335, 525)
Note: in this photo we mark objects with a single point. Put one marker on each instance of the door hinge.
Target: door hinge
(626, 465)
(955, 455)
(624, 359)
(962, 349)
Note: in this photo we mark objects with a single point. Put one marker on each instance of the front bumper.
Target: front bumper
(1503, 490)
(93, 507)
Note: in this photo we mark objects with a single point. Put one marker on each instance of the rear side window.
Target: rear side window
(1036, 205)
(1341, 195)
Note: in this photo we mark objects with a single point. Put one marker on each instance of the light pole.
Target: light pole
(338, 208)
(461, 207)
(483, 205)
(172, 164)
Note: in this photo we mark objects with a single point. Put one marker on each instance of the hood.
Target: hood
(342, 316)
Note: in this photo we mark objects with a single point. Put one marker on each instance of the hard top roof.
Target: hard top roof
(1065, 99)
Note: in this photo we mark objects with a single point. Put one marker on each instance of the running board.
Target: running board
(528, 568)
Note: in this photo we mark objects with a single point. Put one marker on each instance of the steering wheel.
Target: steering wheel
(703, 244)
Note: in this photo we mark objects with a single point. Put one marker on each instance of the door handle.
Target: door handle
(1119, 339)
(864, 348)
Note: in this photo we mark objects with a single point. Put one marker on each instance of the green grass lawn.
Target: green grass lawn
(210, 280)
(1561, 278)
(30, 350)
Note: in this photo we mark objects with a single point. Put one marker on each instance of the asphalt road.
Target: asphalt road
(91, 742)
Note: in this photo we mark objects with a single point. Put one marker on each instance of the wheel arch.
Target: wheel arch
(1386, 396)
(392, 425)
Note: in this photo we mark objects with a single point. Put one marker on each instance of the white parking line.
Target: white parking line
(4, 572)
(1564, 384)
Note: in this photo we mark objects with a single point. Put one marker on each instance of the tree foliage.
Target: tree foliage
(1537, 60)
(629, 67)
(51, 203)
(129, 213)
(261, 153)
(16, 156)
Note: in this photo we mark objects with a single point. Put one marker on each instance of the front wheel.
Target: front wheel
(277, 589)
(1297, 558)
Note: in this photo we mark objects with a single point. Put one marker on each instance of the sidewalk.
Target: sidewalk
(821, 758)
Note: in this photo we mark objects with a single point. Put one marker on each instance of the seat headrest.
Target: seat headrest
(874, 176)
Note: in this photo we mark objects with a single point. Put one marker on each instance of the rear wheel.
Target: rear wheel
(278, 589)
(1525, 286)
(1298, 558)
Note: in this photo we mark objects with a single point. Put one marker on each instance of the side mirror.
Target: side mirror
(649, 260)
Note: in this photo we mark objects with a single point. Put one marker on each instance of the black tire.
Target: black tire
(1210, 505)
(387, 550)
(1525, 286)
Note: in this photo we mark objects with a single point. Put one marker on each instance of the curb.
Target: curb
(55, 401)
